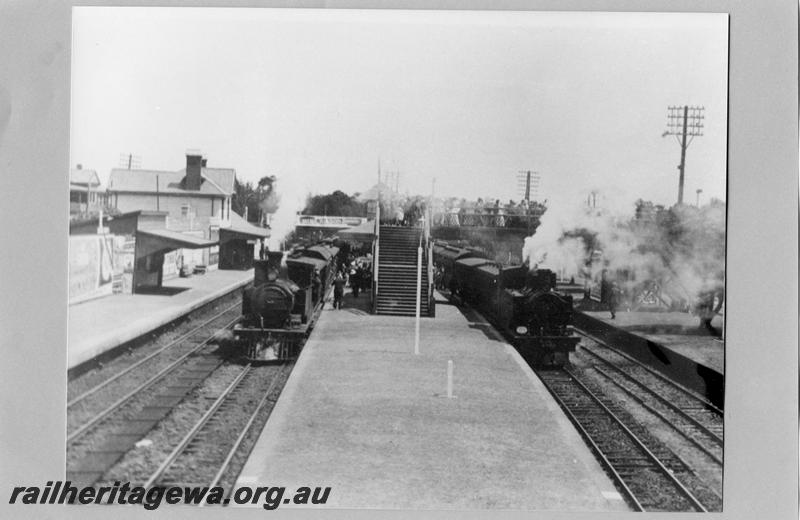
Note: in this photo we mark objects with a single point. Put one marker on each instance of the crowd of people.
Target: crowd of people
(488, 213)
(355, 272)
(462, 212)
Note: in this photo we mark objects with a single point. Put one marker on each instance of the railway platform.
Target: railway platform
(366, 416)
(671, 342)
(100, 325)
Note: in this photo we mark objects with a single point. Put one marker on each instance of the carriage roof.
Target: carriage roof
(307, 261)
(321, 252)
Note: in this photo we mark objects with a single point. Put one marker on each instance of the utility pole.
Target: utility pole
(525, 180)
(392, 180)
(130, 161)
(683, 122)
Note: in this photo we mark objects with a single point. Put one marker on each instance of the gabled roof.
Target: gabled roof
(242, 227)
(85, 177)
(216, 181)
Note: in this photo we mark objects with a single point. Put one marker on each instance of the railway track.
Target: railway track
(204, 455)
(687, 423)
(686, 399)
(651, 477)
(692, 416)
(149, 360)
(103, 426)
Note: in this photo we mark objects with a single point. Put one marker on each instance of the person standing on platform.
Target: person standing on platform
(316, 287)
(338, 290)
(708, 305)
(613, 299)
(355, 282)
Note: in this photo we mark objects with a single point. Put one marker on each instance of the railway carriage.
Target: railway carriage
(445, 257)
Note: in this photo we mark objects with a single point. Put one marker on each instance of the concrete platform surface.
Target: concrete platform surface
(677, 331)
(364, 415)
(99, 325)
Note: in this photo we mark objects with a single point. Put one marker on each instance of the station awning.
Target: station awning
(155, 240)
(243, 230)
(363, 232)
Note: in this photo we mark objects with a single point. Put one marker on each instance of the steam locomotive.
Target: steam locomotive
(522, 303)
(280, 309)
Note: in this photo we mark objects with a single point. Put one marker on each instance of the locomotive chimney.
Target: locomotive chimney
(263, 268)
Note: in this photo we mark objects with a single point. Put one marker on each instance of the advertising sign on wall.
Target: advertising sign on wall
(90, 267)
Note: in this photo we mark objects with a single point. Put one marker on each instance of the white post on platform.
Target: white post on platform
(419, 290)
(449, 378)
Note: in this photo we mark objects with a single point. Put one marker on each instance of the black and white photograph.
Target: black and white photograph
(427, 259)
(411, 260)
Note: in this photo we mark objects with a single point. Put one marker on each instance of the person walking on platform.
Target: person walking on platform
(338, 290)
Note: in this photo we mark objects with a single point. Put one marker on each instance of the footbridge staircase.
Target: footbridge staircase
(397, 253)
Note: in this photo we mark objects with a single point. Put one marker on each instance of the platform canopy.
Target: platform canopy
(363, 232)
(151, 241)
(243, 230)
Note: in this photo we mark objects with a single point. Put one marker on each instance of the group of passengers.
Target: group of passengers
(357, 274)
(493, 213)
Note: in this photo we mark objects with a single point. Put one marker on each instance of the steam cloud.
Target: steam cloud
(570, 231)
(286, 198)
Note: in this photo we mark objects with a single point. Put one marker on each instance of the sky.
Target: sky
(321, 98)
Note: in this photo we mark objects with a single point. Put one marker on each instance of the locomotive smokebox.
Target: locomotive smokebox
(269, 269)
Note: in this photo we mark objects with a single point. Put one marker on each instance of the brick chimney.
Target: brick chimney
(194, 165)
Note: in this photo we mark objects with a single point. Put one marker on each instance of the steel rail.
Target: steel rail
(663, 469)
(716, 438)
(663, 378)
(174, 342)
(122, 400)
(599, 452)
(660, 415)
(196, 428)
(246, 429)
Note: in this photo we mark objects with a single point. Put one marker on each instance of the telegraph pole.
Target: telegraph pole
(526, 178)
(683, 122)
(129, 161)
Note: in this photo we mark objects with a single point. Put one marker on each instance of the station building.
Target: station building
(159, 225)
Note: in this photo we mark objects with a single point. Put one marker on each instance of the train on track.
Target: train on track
(522, 303)
(281, 307)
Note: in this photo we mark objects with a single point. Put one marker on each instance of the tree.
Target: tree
(244, 196)
(337, 203)
(257, 199)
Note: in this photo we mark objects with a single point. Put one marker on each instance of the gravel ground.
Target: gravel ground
(138, 464)
(117, 422)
